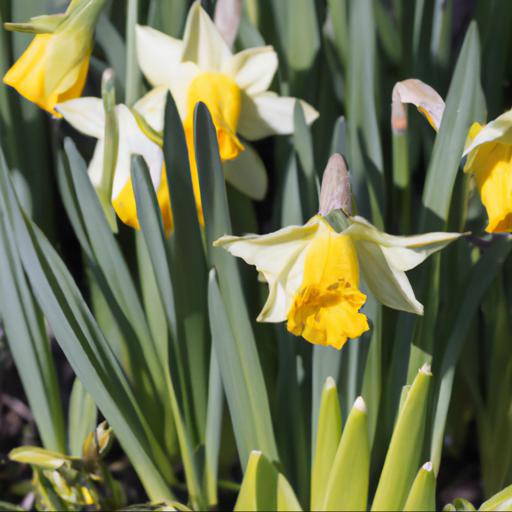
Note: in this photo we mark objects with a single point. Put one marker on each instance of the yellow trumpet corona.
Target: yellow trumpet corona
(53, 68)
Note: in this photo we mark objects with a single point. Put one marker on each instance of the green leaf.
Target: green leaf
(37, 456)
(240, 345)
(28, 342)
(405, 447)
(328, 434)
(82, 416)
(364, 145)
(188, 265)
(500, 501)
(149, 215)
(85, 347)
(213, 430)
(347, 486)
(263, 488)
(145, 360)
(422, 495)
(464, 105)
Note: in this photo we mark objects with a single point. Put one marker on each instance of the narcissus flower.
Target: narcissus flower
(201, 67)
(54, 66)
(313, 273)
(489, 153)
(88, 116)
(488, 150)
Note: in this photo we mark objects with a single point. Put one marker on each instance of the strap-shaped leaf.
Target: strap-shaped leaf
(242, 344)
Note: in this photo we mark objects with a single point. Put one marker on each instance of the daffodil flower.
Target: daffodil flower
(88, 116)
(201, 67)
(313, 274)
(489, 152)
(54, 66)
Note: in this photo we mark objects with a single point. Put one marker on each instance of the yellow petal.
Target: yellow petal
(125, 207)
(27, 76)
(325, 310)
(221, 95)
(491, 163)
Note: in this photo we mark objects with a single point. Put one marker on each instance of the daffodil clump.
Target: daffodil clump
(380, 357)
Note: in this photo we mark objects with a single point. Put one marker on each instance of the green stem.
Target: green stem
(132, 69)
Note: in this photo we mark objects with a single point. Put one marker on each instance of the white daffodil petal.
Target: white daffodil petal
(389, 285)
(132, 141)
(402, 252)
(498, 130)
(84, 114)
(253, 69)
(424, 97)
(202, 43)
(152, 106)
(95, 169)
(268, 114)
(158, 54)
(279, 257)
(247, 173)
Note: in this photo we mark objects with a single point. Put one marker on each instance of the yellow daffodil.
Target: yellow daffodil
(488, 150)
(88, 116)
(489, 153)
(201, 67)
(54, 67)
(313, 274)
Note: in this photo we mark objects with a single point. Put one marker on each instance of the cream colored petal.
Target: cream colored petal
(389, 285)
(424, 97)
(279, 256)
(402, 252)
(202, 42)
(84, 114)
(268, 114)
(253, 69)
(499, 130)
(158, 54)
(247, 173)
(95, 169)
(132, 141)
(151, 106)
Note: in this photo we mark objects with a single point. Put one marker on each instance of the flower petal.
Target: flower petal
(402, 252)
(389, 285)
(424, 97)
(253, 69)
(158, 54)
(247, 173)
(84, 114)
(279, 256)
(499, 130)
(202, 42)
(132, 141)
(152, 106)
(268, 114)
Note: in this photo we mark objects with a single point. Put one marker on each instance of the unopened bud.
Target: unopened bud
(227, 19)
(335, 193)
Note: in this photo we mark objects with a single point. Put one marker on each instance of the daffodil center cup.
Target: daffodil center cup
(222, 96)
